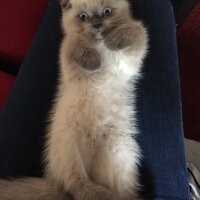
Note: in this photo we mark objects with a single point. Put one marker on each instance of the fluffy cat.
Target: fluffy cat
(91, 151)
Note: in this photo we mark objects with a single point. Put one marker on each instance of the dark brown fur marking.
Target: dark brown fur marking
(65, 4)
(86, 57)
(128, 35)
(120, 37)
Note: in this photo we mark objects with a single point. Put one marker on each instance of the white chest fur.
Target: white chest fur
(121, 63)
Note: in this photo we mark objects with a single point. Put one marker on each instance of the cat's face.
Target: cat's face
(94, 18)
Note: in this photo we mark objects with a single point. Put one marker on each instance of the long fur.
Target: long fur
(91, 151)
(30, 189)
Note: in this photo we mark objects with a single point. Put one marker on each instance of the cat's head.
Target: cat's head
(93, 18)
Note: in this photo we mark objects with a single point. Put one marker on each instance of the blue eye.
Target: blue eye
(107, 11)
(83, 16)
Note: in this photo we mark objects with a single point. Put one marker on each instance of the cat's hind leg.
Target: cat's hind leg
(67, 168)
(116, 168)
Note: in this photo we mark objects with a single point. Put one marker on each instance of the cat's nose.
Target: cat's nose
(97, 25)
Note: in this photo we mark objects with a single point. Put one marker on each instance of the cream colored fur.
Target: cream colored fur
(91, 151)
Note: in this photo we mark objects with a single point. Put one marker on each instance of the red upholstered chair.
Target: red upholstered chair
(6, 82)
(19, 21)
(188, 35)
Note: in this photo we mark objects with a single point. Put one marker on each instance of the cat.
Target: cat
(91, 151)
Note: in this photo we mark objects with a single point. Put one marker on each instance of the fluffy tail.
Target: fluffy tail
(30, 189)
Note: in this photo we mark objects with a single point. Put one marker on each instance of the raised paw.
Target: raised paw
(119, 38)
(128, 35)
(88, 59)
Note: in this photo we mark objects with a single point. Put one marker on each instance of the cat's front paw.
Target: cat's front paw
(119, 38)
(132, 34)
(88, 59)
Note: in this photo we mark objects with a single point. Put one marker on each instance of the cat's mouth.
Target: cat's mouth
(98, 33)
(99, 36)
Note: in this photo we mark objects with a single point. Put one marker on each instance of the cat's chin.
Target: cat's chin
(99, 36)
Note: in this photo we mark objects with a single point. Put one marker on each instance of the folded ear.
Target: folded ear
(65, 4)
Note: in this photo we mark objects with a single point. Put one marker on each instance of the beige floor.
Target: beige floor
(193, 152)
